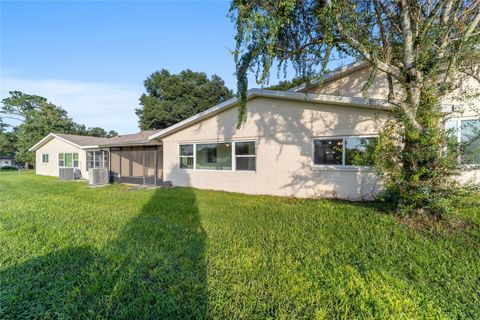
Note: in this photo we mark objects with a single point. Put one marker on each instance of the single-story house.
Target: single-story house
(7, 161)
(303, 142)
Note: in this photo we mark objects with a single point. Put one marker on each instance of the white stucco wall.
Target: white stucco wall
(283, 131)
(53, 148)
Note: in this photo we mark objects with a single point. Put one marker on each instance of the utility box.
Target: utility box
(66, 174)
(98, 176)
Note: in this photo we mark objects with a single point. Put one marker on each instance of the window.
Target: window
(45, 158)
(68, 160)
(214, 156)
(186, 156)
(245, 156)
(359, 151)
(224, 156)
(328, 151)
(470, 140)
(466, 132)
(97, 159)
(345, 151)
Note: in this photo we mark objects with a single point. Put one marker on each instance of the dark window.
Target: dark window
(328, 151)
(245, 156)
(470, 140)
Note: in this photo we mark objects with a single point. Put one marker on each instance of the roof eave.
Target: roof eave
(286, 95)
(49, 137)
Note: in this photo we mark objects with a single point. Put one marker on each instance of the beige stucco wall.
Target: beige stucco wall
(53, 148)
(351, 85)
(283, 131)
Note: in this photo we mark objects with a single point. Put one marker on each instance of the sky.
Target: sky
(91, 57)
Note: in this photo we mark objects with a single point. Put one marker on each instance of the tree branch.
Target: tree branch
(356, 45)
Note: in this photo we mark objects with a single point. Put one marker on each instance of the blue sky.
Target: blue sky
(91, 57)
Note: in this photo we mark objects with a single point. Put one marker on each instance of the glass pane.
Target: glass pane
(75, 156)
(105, 158)
(359, 151)
(245, 148)
(214, 156)
(328, 151)
(98, 159)
(90, 163)
(470, 139)
(68, 160)
(75, 163)
(186, 150)
(245, 163)
(186, 162)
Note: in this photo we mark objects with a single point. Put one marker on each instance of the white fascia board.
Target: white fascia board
(128, 144)
(285, 95)
(44, 140)
(49, 137)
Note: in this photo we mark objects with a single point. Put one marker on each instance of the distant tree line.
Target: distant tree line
(37, 117)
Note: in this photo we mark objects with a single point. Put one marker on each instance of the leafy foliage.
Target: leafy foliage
(288, 84)
(171, 98)
(38, 118)
(426, 49)
(7, 140)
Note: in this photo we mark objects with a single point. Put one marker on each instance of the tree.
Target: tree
(426, 48)
(171, 98)
(288, 84)
(38, 118)
(96, 132)
(7, 140)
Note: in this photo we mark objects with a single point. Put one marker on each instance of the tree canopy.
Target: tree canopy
(285, 85)
(426, 48)
(171, 98)
(37, 117)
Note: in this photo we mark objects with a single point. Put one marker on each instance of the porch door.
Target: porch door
(150, 154)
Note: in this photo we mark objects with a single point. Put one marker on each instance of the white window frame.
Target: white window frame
(234, 158)
(180, 156)
(102, 158)
(48, 158)
(234, 163)
(73, 161)
(458, 134)
(343, 165)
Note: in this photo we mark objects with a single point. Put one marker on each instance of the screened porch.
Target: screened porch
(137, 164)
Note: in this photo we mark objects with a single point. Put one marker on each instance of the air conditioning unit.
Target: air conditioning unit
(66, 174)
(98, 176)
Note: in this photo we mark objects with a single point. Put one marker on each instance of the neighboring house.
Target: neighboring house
(57, 151)
(7, 161)
(294, 143)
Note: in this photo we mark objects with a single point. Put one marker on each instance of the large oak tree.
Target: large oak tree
(171, 98)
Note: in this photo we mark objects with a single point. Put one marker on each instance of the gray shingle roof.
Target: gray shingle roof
(134, 138)
(82, 141)
(139, 137)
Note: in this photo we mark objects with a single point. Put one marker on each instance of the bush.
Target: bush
(8, 168)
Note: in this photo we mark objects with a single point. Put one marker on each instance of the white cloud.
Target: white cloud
(106, 105)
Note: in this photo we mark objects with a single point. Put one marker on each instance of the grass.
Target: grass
(70, 251)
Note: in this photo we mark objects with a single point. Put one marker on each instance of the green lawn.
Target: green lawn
(70, 251)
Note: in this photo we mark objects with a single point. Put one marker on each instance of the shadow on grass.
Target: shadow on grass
(154, 269)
